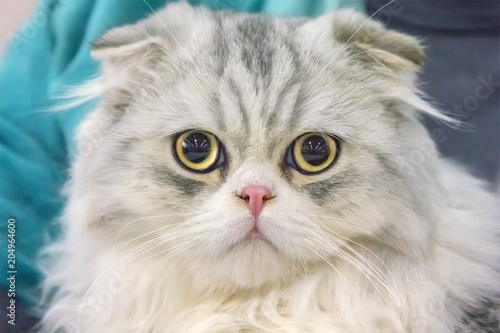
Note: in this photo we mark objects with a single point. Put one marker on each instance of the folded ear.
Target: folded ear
(124, 42)
(129, 57)
(133, 57)
(162, 30)
(373, 42)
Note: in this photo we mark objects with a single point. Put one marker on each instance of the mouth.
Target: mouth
(255, 239)
(255, 233)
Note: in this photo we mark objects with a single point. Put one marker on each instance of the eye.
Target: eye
(313, 152)
(199, 151)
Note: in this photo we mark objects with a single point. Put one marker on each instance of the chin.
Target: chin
(252, 263)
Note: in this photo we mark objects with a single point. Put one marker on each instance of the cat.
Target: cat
(250, 173)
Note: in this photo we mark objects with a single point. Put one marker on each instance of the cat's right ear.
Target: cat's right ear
(149, 36)
(132, 57)
(128, 56)
(124, 42)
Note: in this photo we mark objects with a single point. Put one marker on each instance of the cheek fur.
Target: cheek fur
(185, 186)
(362, 199)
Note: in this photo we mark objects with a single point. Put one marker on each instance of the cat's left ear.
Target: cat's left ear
(373, 43)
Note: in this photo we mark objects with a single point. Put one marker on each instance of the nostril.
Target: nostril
(267, 197)
(256, 196)
(257, 192)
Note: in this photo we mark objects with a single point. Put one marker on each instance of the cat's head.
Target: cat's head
(255, 145)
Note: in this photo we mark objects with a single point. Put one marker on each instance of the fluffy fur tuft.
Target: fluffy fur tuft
(392, 238)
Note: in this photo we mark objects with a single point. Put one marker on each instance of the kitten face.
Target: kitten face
(257, 84)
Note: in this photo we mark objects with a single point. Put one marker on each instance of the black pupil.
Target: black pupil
(196, 147)
(315, 150)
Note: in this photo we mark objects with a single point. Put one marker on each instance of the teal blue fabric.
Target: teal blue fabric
(48, 54)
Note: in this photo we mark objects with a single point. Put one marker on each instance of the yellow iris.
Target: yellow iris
(197, 150)
(314, 152)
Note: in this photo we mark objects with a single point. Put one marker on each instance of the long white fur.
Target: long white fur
(161, 268)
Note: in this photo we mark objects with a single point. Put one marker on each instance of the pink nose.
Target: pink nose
(256, 197)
